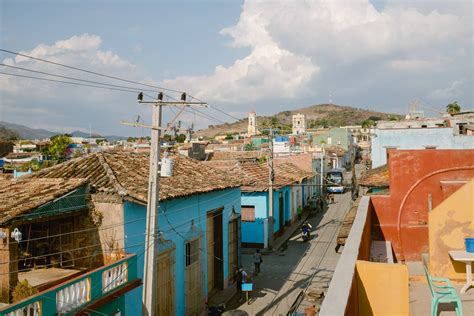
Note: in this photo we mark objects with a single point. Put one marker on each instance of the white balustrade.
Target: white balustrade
(32, 309)
(73, 296)
(114, 277)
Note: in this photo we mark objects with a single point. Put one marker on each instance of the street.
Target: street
(297, 266)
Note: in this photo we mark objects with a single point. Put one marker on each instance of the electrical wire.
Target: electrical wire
(89, 71)
(136, 89)
(118, 224)
(107, 76)
(67, 82)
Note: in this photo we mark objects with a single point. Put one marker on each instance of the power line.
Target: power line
(107, 76)
(78, 79)
(67, 82)
(89, 71)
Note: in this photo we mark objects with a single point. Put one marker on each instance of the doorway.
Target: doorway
(281, 210)
(215, 253)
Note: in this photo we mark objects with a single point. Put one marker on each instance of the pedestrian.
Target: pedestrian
(300, 212)
(321, 204)
(240, 277)
(257, 261)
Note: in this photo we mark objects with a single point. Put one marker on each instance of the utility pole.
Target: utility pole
(150, 274)
(271, 178)
(353, 157)
(322, 173)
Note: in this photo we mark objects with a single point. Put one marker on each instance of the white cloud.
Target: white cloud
(48, 102)
(293, 43)
(416, 64)
(453, 91)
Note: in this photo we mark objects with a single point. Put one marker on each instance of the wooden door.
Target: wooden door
(233, 249)
(281, 213)
(210, 253)
(193, 278)
(166, 283)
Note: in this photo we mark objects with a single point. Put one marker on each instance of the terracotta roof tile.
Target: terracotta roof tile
(377, 177)
(18, 196)
(126, 173)
(254, 176)
(235, 155)
(291, 171)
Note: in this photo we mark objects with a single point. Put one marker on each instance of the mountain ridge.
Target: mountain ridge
(25, 132)
(316, 115)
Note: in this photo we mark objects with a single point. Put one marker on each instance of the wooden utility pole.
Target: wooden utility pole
(271, 178)
(150, 273)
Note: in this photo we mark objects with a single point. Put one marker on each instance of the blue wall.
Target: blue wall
(276, 206)
(175, 222)
(416, 138)
(253, 232)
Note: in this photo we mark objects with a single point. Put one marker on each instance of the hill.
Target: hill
(10, 130)
(321, 115)
(27, 133)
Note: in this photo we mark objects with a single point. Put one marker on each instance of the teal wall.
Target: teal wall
(113, 307)
(253, 232)
(175, 222)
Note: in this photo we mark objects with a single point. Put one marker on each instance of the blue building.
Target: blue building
(416, 135)
(198, 224)
(255, 199)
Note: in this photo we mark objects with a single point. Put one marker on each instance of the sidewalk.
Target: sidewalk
(226, 295)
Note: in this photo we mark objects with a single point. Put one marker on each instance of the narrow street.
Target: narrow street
(298, 265)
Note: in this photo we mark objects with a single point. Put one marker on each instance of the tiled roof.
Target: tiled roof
(18, 196)
(126, 173)
(377, 177)
(291, 171)
(254, 176)
(235, 155)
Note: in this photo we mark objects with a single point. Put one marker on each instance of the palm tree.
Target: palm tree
(453, 108)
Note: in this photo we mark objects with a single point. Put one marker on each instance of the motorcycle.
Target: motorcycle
(305, 233)
(215, 310)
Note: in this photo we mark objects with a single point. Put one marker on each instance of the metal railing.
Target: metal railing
(74, 294)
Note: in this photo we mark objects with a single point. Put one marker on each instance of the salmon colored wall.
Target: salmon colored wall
(449, 224)
(414, 174)
(382, 287)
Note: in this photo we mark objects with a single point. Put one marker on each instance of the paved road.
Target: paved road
(297, 266)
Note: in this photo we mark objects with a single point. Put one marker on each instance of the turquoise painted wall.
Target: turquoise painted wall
(253, 232)
(286, 191)
(416, 138)
(175, 222)
(112, 307)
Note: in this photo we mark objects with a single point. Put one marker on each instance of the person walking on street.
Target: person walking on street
(240, 277)
(257, 261)
(300, 212)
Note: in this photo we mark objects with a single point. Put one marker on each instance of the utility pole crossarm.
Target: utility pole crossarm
(150, 275)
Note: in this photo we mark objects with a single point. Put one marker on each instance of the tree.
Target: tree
(368, 123)
(229, 137)
(274, 121)
(453, 108)
(181, 138)
(250, 147)
(59, 144)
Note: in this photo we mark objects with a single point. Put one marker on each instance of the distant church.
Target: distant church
(252, 129)
(299, 124)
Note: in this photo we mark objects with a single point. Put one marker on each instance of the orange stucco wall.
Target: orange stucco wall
(414, 175)
(382, 287)
(449, 223)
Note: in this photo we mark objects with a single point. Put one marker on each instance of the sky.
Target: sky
(239, 56)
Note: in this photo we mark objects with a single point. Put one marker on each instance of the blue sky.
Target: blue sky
(239, 56)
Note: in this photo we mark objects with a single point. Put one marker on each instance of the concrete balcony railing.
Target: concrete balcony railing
(78, 293)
